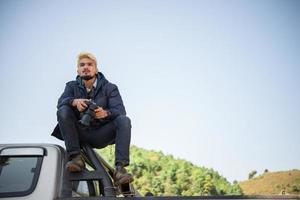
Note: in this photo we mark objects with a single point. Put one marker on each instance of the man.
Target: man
(109, 125)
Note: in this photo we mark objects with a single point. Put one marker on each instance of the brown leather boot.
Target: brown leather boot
(76, 164)
(121, 176)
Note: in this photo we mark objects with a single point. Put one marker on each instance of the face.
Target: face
(87, 69)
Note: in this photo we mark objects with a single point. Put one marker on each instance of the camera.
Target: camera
(89, 114)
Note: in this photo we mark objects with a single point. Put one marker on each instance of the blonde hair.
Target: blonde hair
(86, 55)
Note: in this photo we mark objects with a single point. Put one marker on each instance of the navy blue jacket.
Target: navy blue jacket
(106, 95)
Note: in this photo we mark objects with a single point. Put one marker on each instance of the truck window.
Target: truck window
(81, 190)
(85, 188)
(18, 175)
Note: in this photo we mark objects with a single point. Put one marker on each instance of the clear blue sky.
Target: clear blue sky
(212, 82)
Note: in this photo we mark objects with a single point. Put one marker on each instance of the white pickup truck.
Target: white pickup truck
(37, 172)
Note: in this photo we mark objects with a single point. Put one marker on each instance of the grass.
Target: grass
(273, 183)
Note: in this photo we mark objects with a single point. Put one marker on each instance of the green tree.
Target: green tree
(252, 174)
(209, 187)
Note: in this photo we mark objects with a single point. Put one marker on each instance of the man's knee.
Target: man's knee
(123, 121)
(65, 113)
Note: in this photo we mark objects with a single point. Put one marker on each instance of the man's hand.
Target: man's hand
(100, 113)
(80, 104)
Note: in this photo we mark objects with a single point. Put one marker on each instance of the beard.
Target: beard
(87, 77)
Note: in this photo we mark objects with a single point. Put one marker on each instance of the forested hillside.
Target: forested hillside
(163, 175)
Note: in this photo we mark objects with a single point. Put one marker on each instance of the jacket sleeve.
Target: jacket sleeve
(115, 103)
(67, 96)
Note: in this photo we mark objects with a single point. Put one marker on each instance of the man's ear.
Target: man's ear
(77, 71)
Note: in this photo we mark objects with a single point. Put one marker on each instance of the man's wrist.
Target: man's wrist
(74, 102)
(108, 113)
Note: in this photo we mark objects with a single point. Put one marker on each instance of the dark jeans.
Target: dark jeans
(117, 131)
